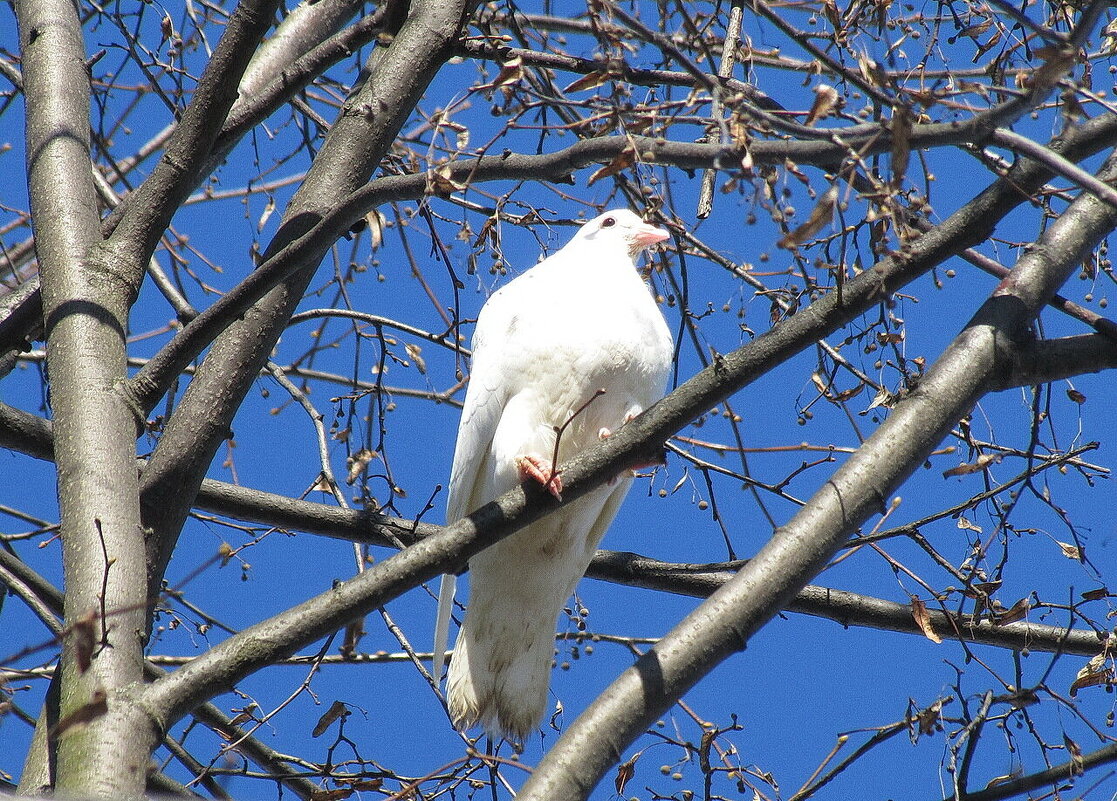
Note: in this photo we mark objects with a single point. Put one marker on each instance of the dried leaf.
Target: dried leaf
(1076, 396)
(413, 352)
(358, 462)
(1070, 551)
(625, 159)
(967, 525)
(97, 705)
(590, 80)
(354, 631)
(928, 719)
(625, 771)
(982, 462)
(336, 711)
(923, 620)
(1018, 611)
(269, 209)
(1093, 673)
(1056, 62)
(331, 795)
(511, 71)
(441, 181)
(1095, 595)
(820, 217)
(375, 222)
(882, 398)
(1077, 768)
(244, 715)
(825, 98)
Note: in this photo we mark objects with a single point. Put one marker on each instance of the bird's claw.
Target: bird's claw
(539, 469)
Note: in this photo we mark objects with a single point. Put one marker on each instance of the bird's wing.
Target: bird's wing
(485, 400)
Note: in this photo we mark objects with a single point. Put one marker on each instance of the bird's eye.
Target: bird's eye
(608, 222)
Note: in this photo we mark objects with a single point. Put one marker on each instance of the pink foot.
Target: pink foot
(539, 469)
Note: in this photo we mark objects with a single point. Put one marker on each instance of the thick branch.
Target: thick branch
(861, 487)
(85, 305)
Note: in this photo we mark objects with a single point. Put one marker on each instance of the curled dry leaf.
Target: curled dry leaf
(336, 711)
(967, 525)
(375, 222)
(511, 71)
(590, 80)
(901, 146)
(1076, 396)
(357, 464)
(821, 215)
(625, 159)
(625, 771)
(928, 720)
(825, 98)
(923, 620)
(1070, 551)
(1018, 611)
(982, 462)
(441, 181)
(1095, 672)
(337, 794)
(414, 353)
(1056, 61)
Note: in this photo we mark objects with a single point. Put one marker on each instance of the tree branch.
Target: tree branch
(859, 488)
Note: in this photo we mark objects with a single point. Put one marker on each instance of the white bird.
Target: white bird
(546, 344)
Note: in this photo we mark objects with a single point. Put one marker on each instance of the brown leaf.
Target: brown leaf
(982, 462)
(590, 80)
(1070, 551)
(1077, 768)
(510, 72)
(331, 795)
(928, 719)
(923, 620)
(1095, 595)
(1018, 611)
(825, 98)
(1056, 62)
(98, 705)
(358, 462)
(966, 524)
(375, 222)
(820, 217)
(625, 159)
(1093, 673)
(625, 771)
(1076, 396)
(336, 711)
(441, 181)
(413, 352)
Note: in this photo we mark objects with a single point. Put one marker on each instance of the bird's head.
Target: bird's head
(621, 228)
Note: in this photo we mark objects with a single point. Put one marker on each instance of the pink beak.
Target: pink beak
(645, 235)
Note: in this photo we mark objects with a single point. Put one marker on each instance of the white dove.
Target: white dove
(545, 346)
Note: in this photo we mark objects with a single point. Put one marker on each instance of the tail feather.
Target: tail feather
(446, 588)
(499, 677)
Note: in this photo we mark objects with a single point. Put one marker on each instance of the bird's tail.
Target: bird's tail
(446, 588)
(500, 673)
